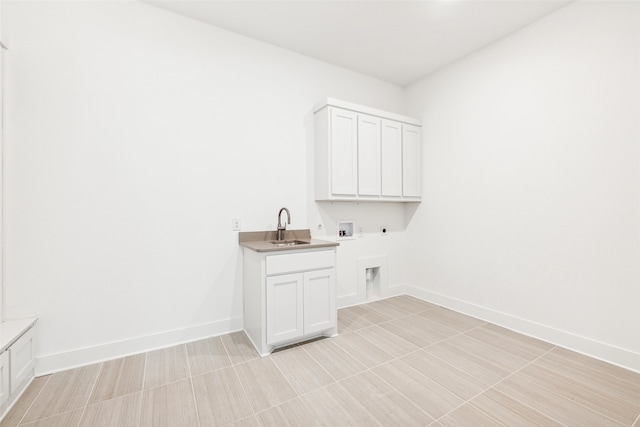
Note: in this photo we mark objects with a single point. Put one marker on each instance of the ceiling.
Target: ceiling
(395, 41)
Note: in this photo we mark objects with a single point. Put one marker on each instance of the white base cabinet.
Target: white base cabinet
(289, 297)
(17, 360)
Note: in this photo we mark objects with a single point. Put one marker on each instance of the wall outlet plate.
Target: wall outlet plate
(235, 224)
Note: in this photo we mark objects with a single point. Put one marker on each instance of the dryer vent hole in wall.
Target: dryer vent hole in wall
(373, 283)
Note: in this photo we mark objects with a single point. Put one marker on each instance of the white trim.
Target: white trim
(350, 300)
(399, 290)
(51, 363)
(606, 352)
(62, 361)
(347, 301)
(395, 290)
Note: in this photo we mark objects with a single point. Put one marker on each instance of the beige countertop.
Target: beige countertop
(261, 241)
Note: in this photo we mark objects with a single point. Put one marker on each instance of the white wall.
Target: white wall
(531, 181)
(368, 217)
(133, 137)
(2, 39)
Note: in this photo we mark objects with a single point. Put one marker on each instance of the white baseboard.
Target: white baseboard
(618, 356)
(51, 363)
(396, 290)
(347, 301)
(355, 299)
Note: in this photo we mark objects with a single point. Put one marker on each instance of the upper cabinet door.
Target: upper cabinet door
(344, 149)
(391, 165)
(411, 161)
(368, 155)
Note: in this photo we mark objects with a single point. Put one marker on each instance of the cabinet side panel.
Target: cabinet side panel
(253, 272)
(321, 150)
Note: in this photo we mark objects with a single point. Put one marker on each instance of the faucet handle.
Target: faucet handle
(281, 227)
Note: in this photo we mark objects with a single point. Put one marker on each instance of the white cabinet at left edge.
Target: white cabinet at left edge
(289, 296)
(17, 360)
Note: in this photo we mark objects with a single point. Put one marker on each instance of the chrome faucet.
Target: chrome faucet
(281, 227)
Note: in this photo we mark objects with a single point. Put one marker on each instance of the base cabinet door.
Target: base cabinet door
(284, 307)
(22, 360)
(319, 301)
(300, 304)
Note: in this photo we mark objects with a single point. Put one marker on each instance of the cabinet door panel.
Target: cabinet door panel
(22, 360)
(368, 155)
(343, 152)
(411, 161)
(319, 301)
(391, 163)
(4, 377)
(284, 307)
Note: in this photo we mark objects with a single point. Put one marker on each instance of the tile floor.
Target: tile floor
(397, 362)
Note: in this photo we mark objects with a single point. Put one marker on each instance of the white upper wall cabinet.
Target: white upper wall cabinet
(364, 154)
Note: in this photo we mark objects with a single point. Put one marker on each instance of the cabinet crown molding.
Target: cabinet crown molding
(333, 102)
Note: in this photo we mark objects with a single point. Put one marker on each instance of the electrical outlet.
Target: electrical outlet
(384, 230)
(235, 224)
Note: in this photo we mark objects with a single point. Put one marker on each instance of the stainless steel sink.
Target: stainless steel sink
(282, 243)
